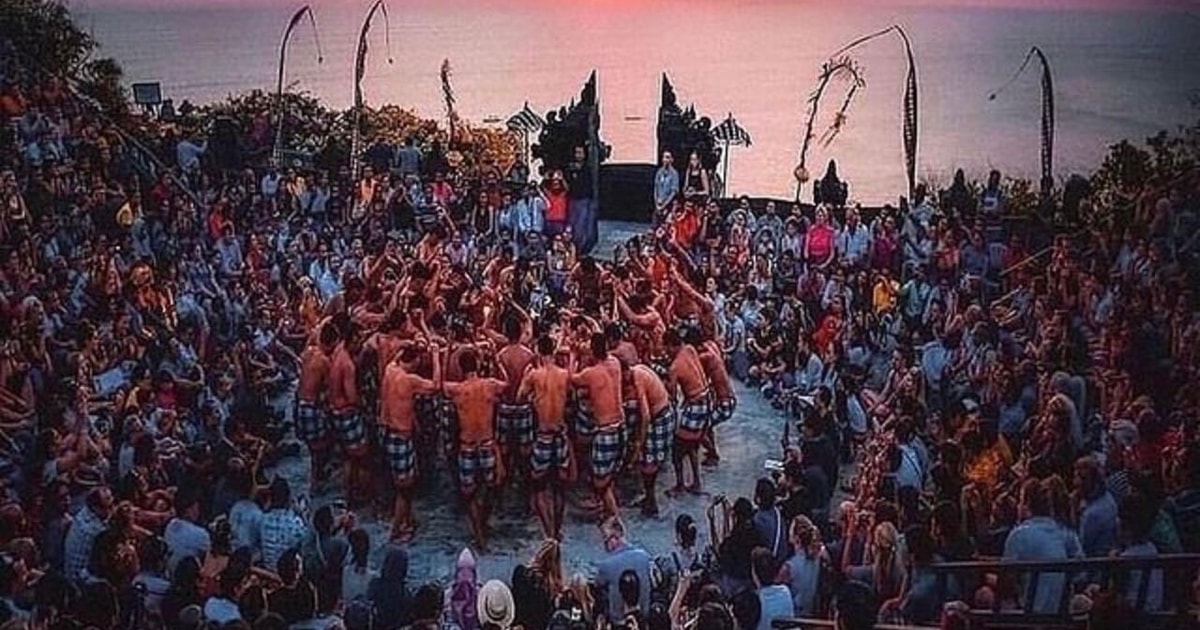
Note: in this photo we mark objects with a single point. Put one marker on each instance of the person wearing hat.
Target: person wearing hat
(495, 606)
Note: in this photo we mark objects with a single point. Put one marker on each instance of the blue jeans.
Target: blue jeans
(582, 215)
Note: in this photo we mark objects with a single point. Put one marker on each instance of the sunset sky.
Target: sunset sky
(1105, 5)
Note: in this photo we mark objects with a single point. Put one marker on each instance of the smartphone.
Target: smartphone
(773, 465)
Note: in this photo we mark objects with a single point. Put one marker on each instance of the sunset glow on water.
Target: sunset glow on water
(1124, 71)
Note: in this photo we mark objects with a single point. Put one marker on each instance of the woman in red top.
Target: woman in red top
(945, 252)
(818, 242)
(739, 241)
(686, 224)
(828, 330)
(217, 221)
(556, 204)
(884, 246)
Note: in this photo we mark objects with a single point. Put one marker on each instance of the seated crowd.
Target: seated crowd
(163, 337)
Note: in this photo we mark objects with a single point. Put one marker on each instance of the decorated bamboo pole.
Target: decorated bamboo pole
(725, 170)
(840, 63)
(1047, 112)
(360, 64)
(843, 67)
(277, 151)
(448, 97)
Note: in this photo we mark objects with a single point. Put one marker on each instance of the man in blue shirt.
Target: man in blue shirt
(621, 557)
(1099, 523)
(408, 158)
(1040, 537)
(854, 241)
(530, 211)
(666, 184)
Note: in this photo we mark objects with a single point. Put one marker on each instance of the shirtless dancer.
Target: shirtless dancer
(656, 429)
(712, 359)
(346, 417)
(514, 417)
(686, 376)
(398, 416)
(551, 464)
(602, 381)
(312, 418)
(479, 467)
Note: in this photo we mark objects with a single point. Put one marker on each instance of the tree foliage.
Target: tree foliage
(311, 127)
(1128, 168)
(43, 33)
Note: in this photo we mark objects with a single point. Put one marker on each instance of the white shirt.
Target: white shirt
(244, 518)
(187, 154)
(185, 538)
(270, 185)
(221, 610)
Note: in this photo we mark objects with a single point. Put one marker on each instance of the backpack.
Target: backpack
(359, 614)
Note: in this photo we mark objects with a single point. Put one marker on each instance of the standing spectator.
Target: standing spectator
(666, 186)
(854, 241)
(557, 204)
(183, 536)
(89, 522)
(187, 156)
(820, 241)
(408, 158)
(802, 571)
(1039, 537)
(357, 574)
(1137, 520)
(281, 527)
(296, 599)
(245, 515)
(582, 207)
(768, 520)
(620, 557)
(1098, 522)
(775, 600)
(324, 554)
(389, 592)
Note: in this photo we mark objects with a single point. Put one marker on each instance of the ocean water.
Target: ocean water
(1118, 74)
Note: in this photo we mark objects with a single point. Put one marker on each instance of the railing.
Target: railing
(805, 623)
(1178, 571)
(1025, 261)
(145, 159)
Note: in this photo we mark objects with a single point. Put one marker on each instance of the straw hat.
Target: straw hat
(495, 605)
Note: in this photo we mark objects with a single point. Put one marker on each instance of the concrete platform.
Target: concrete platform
(746, 441)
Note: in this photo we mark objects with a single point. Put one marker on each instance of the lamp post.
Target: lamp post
(277, 152)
